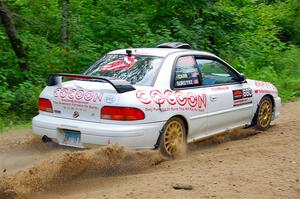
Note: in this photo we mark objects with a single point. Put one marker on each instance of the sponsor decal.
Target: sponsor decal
(180, 98)
(195, 74)
(184, 83)
(237, 94)
(181, 76)
(242, 93)
(242, 96)
(196, 101)
(74, 105)
(75, 114)
(192, 99)
(125, 62)
(219, 88)
(241, 102)
(171, 99)
(142, 97)
(266, 91)
(157, 97)
(76, 99)
(186, 61)
(109, 99)
(265, 88)
(264, 84)
(75, 94)
(186, 72)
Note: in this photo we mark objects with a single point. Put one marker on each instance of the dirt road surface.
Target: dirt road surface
(243, 163)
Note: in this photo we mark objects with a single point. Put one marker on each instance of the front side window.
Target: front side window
(186, 72)
(136, 69)
(214, 72)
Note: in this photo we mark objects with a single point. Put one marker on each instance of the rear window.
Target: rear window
(136, 69)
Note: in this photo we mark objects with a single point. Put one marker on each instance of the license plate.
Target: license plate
(72, 138)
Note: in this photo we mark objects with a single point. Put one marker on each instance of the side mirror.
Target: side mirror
(242, 77)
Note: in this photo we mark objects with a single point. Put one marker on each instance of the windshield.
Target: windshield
(136, 69)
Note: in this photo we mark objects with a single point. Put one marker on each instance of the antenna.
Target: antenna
(129, 52)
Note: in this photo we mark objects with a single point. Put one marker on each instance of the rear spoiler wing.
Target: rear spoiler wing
(120, 85)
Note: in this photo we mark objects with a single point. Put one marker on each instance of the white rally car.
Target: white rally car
(152, 98)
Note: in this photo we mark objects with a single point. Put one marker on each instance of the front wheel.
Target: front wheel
(264, 114)
(173, 138)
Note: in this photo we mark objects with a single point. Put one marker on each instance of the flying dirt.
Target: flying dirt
(242, 163)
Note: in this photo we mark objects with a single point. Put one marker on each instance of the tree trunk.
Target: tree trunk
(64, 26)
(10, 29)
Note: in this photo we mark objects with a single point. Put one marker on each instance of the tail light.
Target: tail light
(121, 113)
(45, 105)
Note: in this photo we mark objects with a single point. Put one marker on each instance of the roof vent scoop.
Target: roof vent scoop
(174, 45)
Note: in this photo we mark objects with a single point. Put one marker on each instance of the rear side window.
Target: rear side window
(187, 72)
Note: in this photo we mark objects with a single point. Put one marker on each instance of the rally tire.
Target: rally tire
(173, 138)
(263, 117)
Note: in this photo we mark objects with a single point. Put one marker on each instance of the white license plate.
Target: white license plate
(72, 138)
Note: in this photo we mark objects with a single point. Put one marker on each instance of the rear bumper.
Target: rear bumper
(132, 136)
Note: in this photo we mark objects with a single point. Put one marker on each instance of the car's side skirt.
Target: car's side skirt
(206, 135)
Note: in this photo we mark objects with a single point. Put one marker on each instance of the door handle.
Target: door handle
(213, 98)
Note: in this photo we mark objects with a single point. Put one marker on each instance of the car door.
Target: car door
(187, 86)
(229, 101)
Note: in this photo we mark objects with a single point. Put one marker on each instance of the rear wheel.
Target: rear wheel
(264, 114)
(173, 138)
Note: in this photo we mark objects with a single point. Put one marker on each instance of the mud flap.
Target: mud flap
(159, 137)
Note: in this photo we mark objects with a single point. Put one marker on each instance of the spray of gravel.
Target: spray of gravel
(106, 161)
(234, 134)
(227, 136)
(22, 141)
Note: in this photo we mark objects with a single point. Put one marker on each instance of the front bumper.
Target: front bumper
(133, 136)
(277, 101)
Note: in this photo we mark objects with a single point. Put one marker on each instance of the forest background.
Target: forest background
(260, 38)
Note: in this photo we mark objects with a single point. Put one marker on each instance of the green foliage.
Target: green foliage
(260, 38)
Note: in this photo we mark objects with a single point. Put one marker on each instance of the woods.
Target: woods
(37, 37)
(64, 23)
(10, 29)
